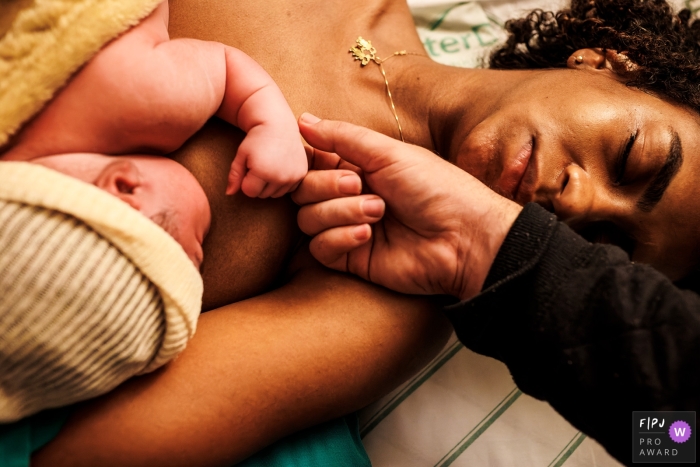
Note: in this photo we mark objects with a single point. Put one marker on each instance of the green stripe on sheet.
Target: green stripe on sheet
(568, 450)
(479, 429)
(495, 21)
(439, 21)
(410, 387)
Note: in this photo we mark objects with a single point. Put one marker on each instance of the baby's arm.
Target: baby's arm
(271, 159)
(190, 80)
(214, 79)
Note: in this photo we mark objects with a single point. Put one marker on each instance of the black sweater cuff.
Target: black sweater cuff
(523, 245)
(522, 287)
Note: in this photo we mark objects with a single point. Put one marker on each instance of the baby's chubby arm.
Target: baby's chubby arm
(271, 160)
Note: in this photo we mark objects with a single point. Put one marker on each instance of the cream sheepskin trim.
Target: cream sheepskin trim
(157, 255)
(50, 41)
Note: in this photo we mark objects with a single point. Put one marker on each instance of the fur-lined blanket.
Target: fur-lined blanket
(43, 42)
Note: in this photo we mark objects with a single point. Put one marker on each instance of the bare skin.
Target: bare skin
(321, 345)
(554, 137)
(303, 45)
(336, 86)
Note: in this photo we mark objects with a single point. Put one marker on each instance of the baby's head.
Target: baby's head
(81, 270)
(159, 188)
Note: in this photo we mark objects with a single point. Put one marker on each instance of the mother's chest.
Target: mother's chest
(250, 240)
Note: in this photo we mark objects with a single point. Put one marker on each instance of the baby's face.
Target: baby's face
(161, 189)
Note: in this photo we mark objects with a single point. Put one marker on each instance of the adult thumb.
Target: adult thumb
(367, 149)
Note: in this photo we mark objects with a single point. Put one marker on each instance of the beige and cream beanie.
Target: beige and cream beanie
(91, 291)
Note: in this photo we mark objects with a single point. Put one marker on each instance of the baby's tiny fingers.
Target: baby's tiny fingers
(269, 190)
(364, 209)
(322, 185)
(235, 178)
(252, 186)
(295, 186)
(281, 191)
(237, 172)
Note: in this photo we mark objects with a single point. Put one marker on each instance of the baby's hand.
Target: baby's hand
(271, 160)
(267, 164)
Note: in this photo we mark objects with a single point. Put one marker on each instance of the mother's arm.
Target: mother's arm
(319, 347)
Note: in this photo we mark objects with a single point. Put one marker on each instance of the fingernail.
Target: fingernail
(350, 185)
(373, 207)
(308, 118)
(361, 232)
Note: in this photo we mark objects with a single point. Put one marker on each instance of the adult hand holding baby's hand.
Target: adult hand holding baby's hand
(441, 230)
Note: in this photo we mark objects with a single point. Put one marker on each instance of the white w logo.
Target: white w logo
(679, 431)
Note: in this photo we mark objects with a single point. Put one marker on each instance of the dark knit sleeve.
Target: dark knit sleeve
(582, 327)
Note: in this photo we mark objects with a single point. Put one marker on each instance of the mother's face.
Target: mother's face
(617, 164)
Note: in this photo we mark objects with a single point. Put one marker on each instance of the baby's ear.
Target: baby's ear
(121, 178)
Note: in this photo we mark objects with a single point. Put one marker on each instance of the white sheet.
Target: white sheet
(464, 409)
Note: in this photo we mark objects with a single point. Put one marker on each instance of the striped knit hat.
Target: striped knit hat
(91, 291)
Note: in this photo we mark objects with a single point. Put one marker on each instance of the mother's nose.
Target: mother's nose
(574, 195)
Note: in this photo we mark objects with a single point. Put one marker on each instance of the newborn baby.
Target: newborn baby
(146, 94)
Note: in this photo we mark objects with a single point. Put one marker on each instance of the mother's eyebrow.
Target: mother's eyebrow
(656, 189)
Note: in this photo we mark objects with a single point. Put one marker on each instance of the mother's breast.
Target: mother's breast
(250, 240)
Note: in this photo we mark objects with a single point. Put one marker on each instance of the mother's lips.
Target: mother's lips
(516, 181)
(525, 192)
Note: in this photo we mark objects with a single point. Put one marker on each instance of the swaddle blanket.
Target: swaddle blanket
(44, 42)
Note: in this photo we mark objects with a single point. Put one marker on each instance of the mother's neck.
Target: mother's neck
(439, 105)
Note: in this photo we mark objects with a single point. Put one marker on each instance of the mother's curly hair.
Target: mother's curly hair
(666, 46)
